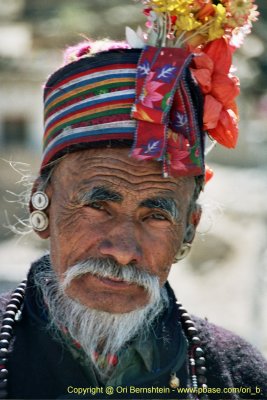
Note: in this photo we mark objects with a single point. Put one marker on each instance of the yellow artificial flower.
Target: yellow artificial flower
(215, 32)
(175, 7)
(220, 13)
(216, 27)
(187, 23)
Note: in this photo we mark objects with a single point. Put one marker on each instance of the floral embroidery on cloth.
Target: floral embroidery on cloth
(162, 100)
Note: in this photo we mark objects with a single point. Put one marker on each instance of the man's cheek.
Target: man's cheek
(66, 221)
(164, 251)
(66, 235)
(169, 240)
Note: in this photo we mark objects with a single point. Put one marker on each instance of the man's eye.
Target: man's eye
(158, 216)
(96, 205)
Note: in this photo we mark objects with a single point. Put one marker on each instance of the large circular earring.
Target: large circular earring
(39, 221)
(40, 200)
(183, 252)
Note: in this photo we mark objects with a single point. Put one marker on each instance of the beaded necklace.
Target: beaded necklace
(12, 314)
(196, 357)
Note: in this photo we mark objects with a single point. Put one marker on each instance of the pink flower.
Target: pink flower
(150, 92)
(176, 159)
(177, 152)
(138, 154)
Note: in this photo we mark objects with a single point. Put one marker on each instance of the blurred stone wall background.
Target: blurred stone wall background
(225, 277)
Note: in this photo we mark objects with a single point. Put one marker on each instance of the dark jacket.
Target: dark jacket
(42, 368)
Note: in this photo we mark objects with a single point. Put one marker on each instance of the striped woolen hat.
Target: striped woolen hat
(143, 97)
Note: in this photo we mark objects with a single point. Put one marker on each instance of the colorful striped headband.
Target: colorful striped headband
(147, 98)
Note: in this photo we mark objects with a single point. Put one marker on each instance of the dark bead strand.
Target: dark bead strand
(6, 333)
(195, 353)
(15, 302)
(11, 307)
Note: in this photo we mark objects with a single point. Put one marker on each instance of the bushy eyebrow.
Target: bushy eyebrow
(162, 203)
(100, 193)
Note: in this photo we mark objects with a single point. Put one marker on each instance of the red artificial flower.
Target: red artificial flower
(147, 11)
(224, 89)
(220, 52)
(212, 111)
(205, 11)
(211, 69)
(173, 19)
(208, 173)
(226, 131)
(203, 71)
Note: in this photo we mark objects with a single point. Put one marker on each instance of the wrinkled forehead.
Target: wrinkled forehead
(113, 168)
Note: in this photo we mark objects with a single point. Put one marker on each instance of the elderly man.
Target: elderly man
(122, 169)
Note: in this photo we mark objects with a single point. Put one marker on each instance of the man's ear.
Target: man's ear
(193, 221)
(45, 234)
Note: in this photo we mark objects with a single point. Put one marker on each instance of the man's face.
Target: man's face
(104, 204)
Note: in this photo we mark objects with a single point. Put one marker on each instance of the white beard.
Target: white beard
(92, 328)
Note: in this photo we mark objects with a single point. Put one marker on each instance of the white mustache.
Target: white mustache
(109, 268)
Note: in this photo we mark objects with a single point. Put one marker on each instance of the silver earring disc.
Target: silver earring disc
(39, 220)
(40, 200)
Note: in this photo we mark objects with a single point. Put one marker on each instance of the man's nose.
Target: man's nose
(122, 245)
